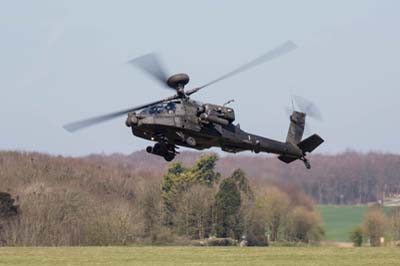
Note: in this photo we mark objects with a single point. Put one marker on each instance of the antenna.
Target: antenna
(228, 102)
(291, 99)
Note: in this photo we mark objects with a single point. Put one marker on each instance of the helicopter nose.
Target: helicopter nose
(132, 120)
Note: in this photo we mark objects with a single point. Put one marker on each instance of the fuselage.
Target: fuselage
(188, 123)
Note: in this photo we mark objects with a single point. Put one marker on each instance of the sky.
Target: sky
(63, 61)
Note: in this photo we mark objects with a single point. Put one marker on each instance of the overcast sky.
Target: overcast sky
(62, 61)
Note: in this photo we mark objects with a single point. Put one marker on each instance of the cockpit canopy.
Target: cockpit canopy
(165, 108)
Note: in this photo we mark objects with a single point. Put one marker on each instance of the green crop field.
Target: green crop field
(171, 256)
(338, 221)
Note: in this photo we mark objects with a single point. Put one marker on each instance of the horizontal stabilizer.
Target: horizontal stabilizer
(311, 143)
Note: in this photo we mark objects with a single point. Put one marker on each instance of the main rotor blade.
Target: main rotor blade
(284, 48)
(151, 65)
(72, 127)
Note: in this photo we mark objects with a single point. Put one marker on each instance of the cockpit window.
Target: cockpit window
(168, 108)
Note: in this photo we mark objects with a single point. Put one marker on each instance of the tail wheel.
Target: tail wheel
(306, 162)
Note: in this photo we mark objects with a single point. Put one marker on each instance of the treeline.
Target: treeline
(344, 178)
(52, 201)
(349, 178)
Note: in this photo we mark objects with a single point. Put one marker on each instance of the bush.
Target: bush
(304, 225)
(291, 244)
(163, 236)
(375, 226)
(356, 236)
(7, 207)
(221, 242)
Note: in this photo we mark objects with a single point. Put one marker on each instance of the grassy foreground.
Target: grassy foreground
(199, 256)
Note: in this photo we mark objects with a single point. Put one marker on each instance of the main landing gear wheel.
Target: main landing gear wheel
(191, 141)
(169, 156)
(306, 162)
(164, 150)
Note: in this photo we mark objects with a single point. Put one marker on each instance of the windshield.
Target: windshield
(168, 108)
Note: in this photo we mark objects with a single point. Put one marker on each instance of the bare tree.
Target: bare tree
(275, 205)
(194, 209)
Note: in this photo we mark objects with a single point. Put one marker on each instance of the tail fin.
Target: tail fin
(295, 134)
(296, 128)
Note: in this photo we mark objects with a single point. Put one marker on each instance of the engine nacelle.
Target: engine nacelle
(204, 117)
(218, 111)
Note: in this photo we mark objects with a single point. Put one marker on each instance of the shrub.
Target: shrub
(374, 224)
(356, 236)
(7, 207)
(304, 225)
(221, 242)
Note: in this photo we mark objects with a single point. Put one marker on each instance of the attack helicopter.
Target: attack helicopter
(181, 121)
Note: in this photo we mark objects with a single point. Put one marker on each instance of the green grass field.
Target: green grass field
(168, 256)
(338, 221)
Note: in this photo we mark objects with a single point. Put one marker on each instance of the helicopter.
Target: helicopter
(181, 121)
